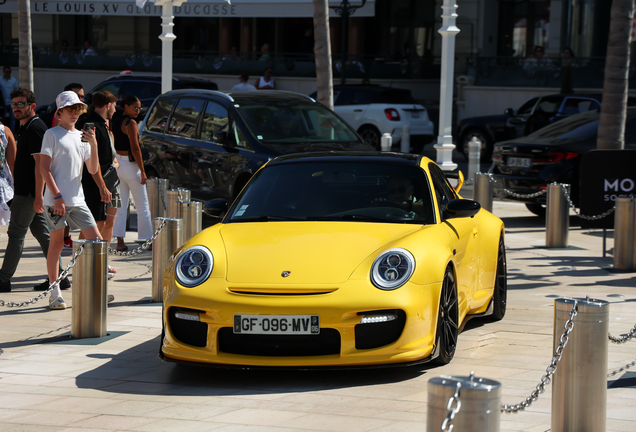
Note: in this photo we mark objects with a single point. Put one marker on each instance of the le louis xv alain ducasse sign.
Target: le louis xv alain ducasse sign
(130, 8)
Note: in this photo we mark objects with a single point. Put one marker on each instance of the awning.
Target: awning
(192, 8)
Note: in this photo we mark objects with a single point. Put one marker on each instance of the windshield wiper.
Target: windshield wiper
(347, 217)
(266, 218)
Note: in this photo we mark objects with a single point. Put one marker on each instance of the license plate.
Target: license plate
(415, 114)
(519, 162)
(277, 324)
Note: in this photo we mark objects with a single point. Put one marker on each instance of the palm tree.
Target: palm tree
(322, 52)
(613, 109)
(26, 51)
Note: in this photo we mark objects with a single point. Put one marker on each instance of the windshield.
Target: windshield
(336, 191)
(579, 126)
(281, 122)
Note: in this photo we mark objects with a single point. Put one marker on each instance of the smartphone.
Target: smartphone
(55, 217)
(88, 126)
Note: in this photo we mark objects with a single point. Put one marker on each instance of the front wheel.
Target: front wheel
(371, 135)
(483, 138)
(500, 295)
(447, 319)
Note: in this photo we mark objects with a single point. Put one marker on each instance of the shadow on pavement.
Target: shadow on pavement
(138, 370)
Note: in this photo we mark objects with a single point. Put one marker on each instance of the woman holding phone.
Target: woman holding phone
(131, 173)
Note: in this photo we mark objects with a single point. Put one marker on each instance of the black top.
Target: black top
(105, 154)
(29, 143)
(122, 143)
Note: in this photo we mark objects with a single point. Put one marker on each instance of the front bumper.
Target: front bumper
(341, 336)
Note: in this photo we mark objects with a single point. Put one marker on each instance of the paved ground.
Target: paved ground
(49, 382)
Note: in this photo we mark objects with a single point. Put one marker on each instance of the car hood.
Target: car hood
(313, 252)
(298, 147)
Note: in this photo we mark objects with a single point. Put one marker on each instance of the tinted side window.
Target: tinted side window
(185, 117)
(549, 105)
(630, 131)
(113, 87)
(146, 90)
(215, 119)
(576, 105)
(526, 108)
(363, 97)
(158, 118)
(345, 97)
(443, 192)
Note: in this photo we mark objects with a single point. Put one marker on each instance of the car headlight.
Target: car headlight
(392, 269)
(194, 266)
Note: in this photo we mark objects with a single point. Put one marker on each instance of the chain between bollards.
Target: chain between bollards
(546, 379)
(141, 248)
(163, 202)
(623, 339)
(43, 294)
(452, 407)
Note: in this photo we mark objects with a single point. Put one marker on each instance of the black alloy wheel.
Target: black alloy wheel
(447, 319)
(371, 135)
(500, 295)
(486, 144)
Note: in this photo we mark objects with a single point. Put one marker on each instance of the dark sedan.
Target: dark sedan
(553, 154)
(536, 113)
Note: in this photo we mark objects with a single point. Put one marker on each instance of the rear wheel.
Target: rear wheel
(537, 209)
(447, 319)
(370, 135)
(500, 295)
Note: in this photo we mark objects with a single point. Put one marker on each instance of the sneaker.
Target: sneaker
(111, 298)
(111, 275)
(111, 270)
(5, 286)
(68, 243)
(57, 303)
(64, 285)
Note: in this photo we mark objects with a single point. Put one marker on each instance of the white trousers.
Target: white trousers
(130, 181)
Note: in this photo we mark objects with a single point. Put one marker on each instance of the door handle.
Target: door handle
(357, 110)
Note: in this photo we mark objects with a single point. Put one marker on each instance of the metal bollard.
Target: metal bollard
(88, 318)
(405, 141)
(386, 142)
(474, 153)
(191, 212)
(169, 239)
(153, 186)
(557, 220)
(625, 234)
(579, 385)
(172, 198)
(483, 191)
(480, 403)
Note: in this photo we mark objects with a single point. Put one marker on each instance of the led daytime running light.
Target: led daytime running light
(372, 319)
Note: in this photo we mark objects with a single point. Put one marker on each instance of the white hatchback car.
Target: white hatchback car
(374, 110)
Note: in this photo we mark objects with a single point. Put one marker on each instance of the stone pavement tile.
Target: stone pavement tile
(189, 412)
(170, 425)
(46, 418)
(7, 414)
(131, 408)
(24, 400)
(402, 416)
(402, 426)
(248, 428)
(78, 404)
(12, 427)
(257, 417)
(337, 423)
(619, 425)
(114, 422)
(30, 380)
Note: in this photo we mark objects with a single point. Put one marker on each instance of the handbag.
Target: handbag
(111, 179)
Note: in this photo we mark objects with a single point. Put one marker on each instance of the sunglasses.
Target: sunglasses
(396, 190)
(81, 98)
(137, 109)
(18, 104)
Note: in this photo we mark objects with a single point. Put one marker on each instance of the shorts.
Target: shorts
(78, 217)
(116, 201)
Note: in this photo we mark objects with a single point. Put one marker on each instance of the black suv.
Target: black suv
(145, 87)
(212, 142)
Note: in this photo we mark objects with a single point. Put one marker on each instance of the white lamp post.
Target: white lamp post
(449, 30)
(167, 37)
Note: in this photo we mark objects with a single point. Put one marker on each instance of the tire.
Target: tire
(371, 135)
(481, 135)
(500, 294)
(447, 319)
(537, 209)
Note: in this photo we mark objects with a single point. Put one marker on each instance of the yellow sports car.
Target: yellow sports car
(335, 259)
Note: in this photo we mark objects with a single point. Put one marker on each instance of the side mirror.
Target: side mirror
(220, 138)
(461, 208)
(216, 208)
(509, 111)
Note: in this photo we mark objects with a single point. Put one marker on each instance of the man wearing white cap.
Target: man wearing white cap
(64, 151)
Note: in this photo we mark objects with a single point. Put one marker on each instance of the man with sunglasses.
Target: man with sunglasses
(8, 84)
(27, 205)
